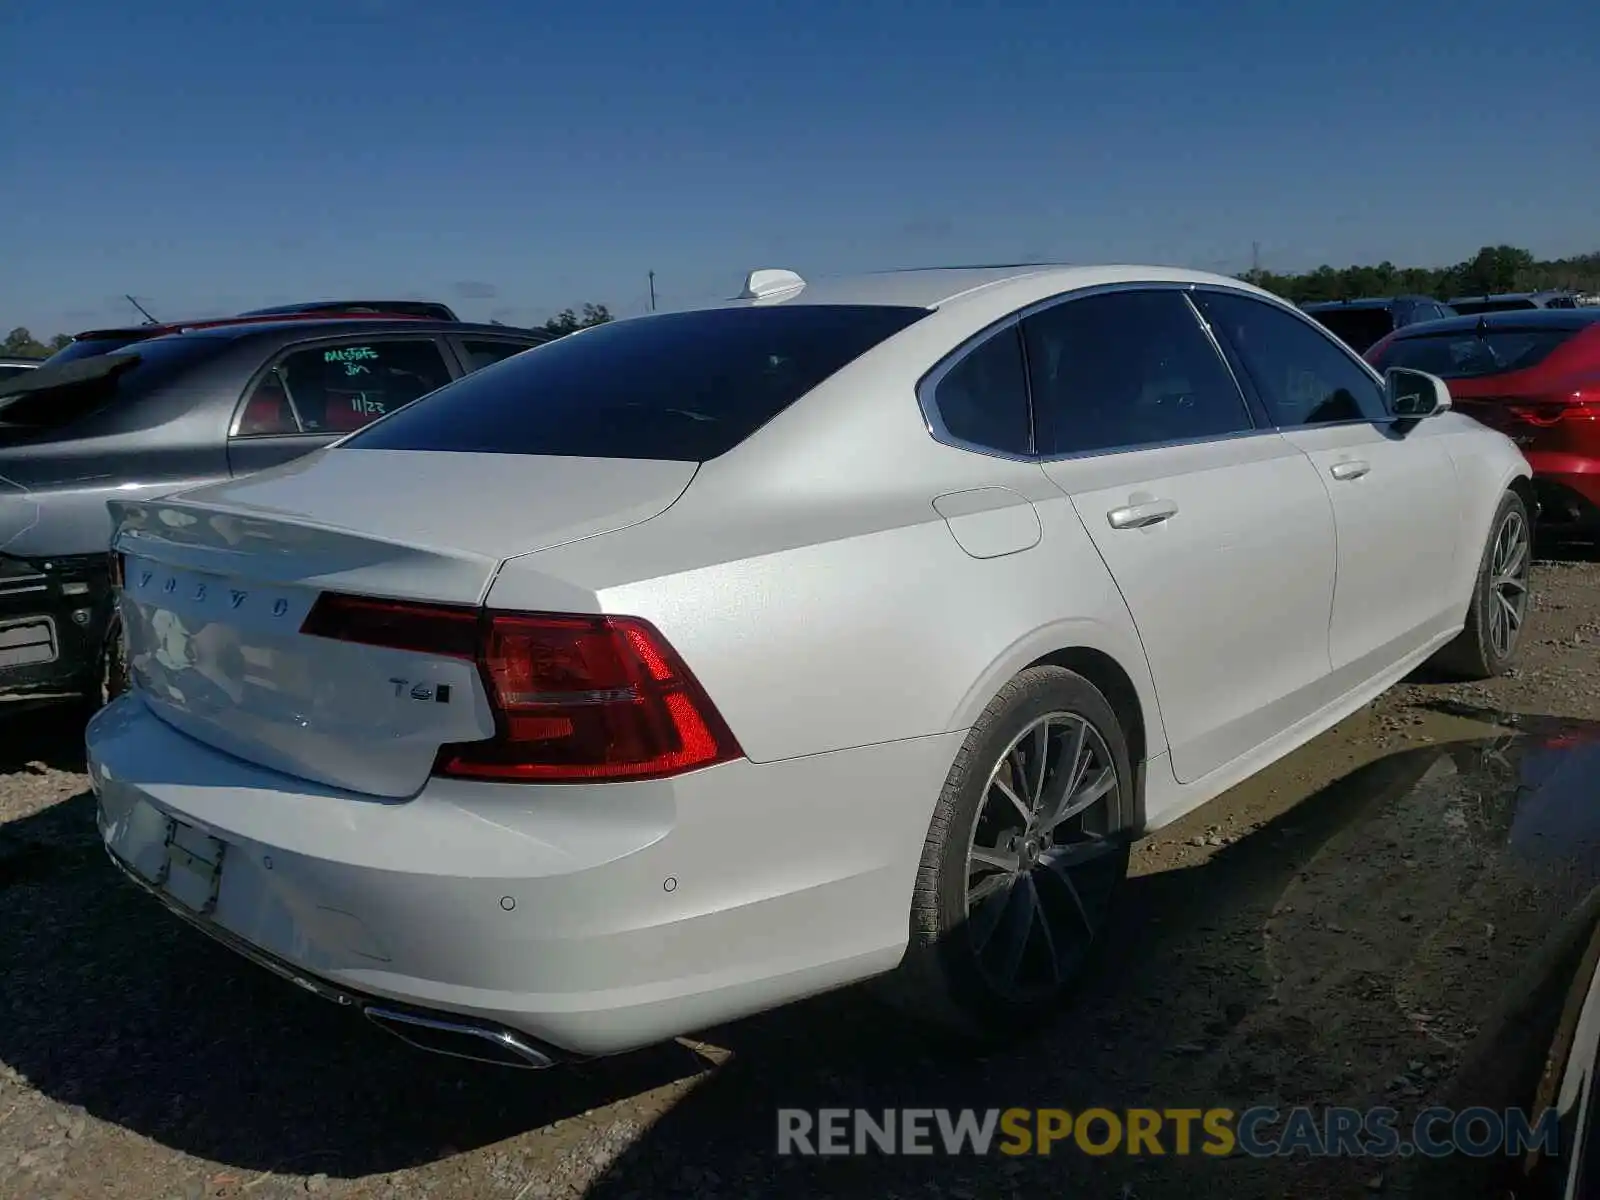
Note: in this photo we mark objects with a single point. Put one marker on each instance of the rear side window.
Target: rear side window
(1301, 374)
(678, 386)
(1127, 369)
(982, 400)
(339, 387)
(1467, 354)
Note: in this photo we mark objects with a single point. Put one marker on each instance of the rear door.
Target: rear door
(311, 393)
(1393, 489)
(1217, 532)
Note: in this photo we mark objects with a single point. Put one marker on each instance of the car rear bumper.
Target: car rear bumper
(53, 617)
(589, 919)
(1568, 490)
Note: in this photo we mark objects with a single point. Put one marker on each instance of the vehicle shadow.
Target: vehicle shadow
(50, 737)
(113, 1006)
(1183, 1010)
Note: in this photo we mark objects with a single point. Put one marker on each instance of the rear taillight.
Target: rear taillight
(1580, 406)
(575, 698)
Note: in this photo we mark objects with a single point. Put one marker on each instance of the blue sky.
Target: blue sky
(516, 158)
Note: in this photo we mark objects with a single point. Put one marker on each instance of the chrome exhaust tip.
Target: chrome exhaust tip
(460, 1039)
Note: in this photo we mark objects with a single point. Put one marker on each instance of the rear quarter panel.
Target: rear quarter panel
(817, 626)
(1487, 463)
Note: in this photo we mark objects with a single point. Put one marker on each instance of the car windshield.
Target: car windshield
(1468, 354)
(679, 386)
(1358, 328)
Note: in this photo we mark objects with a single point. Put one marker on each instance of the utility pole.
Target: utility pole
(652, 291)
(1255, 258)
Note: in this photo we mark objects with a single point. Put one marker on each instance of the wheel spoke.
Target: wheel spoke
(1015, 926)
(1044, 927)
(985, 918)
(1064, 874)
(986, 887)
(1513, 617)
(1016, 800)
(1083, 799)
(1078, 854)
(993, 856)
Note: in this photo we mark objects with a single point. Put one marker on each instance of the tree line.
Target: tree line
(1492, 269)
(20, 343)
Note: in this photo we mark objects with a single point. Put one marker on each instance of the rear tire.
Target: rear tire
(1023, 857)
(1487, 645)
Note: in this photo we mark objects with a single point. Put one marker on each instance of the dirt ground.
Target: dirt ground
(1339, 930)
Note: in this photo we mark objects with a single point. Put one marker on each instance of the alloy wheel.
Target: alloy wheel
(1508, 582)
(1044, 856)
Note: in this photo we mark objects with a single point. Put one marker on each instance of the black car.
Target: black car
(10, 368)
(1361, 324)
(168, 413)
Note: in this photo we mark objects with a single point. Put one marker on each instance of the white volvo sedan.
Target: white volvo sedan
(699, 662)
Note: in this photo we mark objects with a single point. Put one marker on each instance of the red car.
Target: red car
(1535, 376)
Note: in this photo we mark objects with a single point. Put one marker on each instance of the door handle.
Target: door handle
(1137, 516)
(1349, 470)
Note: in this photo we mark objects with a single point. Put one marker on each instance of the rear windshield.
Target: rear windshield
(1468, 354)
(679, 386)
(1358, 328)
(92, 347)
(50, 401)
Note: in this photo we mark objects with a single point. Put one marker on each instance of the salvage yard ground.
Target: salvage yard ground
(1336, 931)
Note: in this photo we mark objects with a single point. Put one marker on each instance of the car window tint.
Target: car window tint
(1302, 376)
(1127, 369)
(683, 387)
(339, 387)
(983, 399)
(480, 354)
(1469, 354)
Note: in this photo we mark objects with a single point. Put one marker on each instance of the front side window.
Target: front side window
(1301, 374)
(1127, 369)
(982, 401)
(338, 387)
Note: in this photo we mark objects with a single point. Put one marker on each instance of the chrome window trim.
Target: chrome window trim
(1306, 319)
(933, 420)
(930, 381)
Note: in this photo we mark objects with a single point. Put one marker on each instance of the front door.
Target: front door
(1218, 534)
(1393, 490)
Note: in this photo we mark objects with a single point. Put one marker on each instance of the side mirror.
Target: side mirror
(1414, 395)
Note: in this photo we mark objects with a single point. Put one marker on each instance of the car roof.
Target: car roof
(269, 327)
(1528, 318)
(943, 287)
(151, 329)
(1548, 293)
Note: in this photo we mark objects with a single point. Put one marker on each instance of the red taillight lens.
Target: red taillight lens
(396, 624)
(576, 698)
(1582, 406)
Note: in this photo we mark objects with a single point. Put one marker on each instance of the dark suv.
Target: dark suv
(162, 414)
(1360, 324)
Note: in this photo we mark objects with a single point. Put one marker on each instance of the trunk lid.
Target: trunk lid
(218, 581)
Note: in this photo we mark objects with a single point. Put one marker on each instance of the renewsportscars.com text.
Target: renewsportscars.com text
(1259, 1132)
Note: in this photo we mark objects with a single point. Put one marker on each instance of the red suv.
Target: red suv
(1535, 376)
